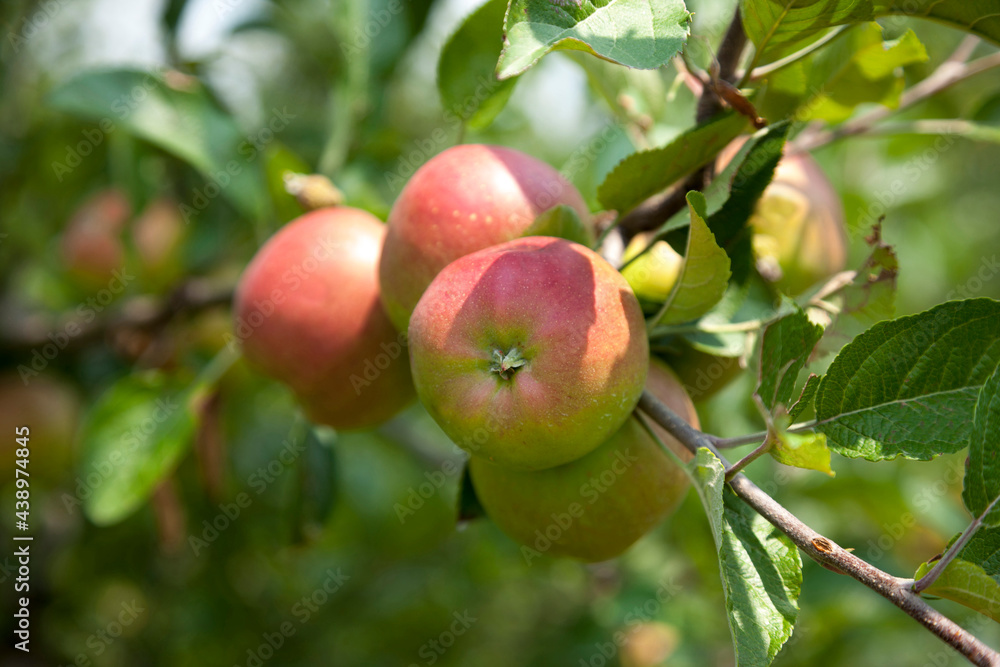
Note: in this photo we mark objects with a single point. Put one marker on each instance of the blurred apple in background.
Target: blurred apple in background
(91, 245)
(800, 236)
(157, 235)
(50, 409)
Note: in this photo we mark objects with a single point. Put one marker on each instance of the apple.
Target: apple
(799, 225)
(308, 313)
(653, 275)
(157, 235)
(467, 198)
(50, 408)
(596, 507)
(91, 245)
(530, 353)
(649, 644)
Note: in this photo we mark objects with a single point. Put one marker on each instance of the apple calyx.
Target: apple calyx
(505, 364)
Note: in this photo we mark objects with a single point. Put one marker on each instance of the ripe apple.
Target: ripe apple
(308, 314)
(91, 244)
(596, 507)
(530, 353)
(464, 199)
(799, 226)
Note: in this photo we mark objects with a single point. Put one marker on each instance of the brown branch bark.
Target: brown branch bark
(658, 209)
(823, 550)
(143, 313)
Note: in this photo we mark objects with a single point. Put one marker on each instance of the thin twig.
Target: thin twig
(825, 551)
(738, 467)
(729, 443)
(925, 581)
(935, 126)
(138, 313)
(946, 75)
(965, 49)
(658, 209)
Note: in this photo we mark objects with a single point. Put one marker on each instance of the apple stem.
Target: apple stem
(504, 364)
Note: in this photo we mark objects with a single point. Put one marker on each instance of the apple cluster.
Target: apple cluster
(530, 352)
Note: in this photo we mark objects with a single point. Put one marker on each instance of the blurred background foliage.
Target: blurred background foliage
(347, 88)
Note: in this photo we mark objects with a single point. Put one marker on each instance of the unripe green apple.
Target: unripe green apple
(464, 199)
(530, 353)
(308, 314)
(799, 227)
(654, 274)
(596, 507)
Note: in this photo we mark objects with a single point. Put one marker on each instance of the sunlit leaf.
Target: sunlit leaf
(637, 33)
(465, 73)
(704, 274)
(908, 387)
(980, 17)
(779, 27)
(643, 174)
(760, 567)
(785, 349)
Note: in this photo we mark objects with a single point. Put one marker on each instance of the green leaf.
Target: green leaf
(469, 507)
(908, 387)
(465, 71)
(780, 27)
(973, 578)
(643, 174)
(742, 305)
(983, 550)
(980, 17)
(806, 398)
(760, 567)
(871, 74)
(704, 274)
(636, 33)
(132, 438)
(857, 68)
(278, 161)
(967, 584)
(982, 472)
(748, 183)
(731, 196)
(785, 348)
(801, 450)
(562, 222)
(317, 468)
(184, 122)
